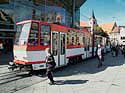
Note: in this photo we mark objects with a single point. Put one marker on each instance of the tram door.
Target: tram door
(59, 47)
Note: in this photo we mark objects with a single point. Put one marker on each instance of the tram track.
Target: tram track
(12, 82)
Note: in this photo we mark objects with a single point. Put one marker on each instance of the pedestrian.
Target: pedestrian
(111, 49)
(114, 51)
(1, 46)
(50, 63)
(100, 55)
(124, 51)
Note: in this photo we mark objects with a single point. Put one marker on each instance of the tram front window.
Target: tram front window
(22, 34)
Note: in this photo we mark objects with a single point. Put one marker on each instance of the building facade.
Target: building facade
(122, 35)
(62, 12)
(115, 36)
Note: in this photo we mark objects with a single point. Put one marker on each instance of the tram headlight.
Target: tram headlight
(15, 57)
(11, 63)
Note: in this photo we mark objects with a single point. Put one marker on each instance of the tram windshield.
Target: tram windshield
(22, 34)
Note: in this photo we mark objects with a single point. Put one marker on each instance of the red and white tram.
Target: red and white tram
(33, 37)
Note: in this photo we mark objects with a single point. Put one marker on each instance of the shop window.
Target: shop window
(45, 35)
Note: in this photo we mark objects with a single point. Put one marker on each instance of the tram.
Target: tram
(68, 45)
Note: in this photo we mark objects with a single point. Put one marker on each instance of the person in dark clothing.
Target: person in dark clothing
(116, 50)
(111, 47)
(50, 62)
(124, 51)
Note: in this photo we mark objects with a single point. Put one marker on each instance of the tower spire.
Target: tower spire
(93, 16)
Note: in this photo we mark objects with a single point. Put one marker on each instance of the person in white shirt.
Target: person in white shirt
(1, 47)
(99, 55)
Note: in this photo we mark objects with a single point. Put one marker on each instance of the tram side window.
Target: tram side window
(84, 40)
(54, 43)
(81, 38)
(72, 43)
(45, 35)
(62, 44)
(77, 41)
(33, 37)
(68, 37)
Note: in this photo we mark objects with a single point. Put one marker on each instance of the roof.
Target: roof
(116, 30)
(93, 16)
(78, 3)
(108, 27)
(84, 24)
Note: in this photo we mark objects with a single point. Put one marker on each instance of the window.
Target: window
(77, 40)
(80, 38)
(45, 35)
(54, 43)
(122, 38)
(68, 37)
(33, 37)
(72, 41)
(22, 34)
(19, 29)
(62, 44)
(84, 40)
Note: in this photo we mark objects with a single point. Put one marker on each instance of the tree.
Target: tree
(99, 31)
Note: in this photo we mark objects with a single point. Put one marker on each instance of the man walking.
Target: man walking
(100, 55)
(50, 62)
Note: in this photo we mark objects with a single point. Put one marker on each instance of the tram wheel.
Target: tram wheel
(80, 59)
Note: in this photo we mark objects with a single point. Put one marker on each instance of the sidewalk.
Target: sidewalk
(4, 59)
(86, 78)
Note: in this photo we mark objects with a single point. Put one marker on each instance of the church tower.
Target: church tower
(93, 22)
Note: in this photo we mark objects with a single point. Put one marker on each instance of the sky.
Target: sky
(105, 11)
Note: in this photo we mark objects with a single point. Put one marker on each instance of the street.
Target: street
(83, 77)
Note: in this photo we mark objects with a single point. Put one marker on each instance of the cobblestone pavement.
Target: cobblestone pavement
(83, 77)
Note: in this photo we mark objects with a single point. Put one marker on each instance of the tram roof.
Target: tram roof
(54, 27)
